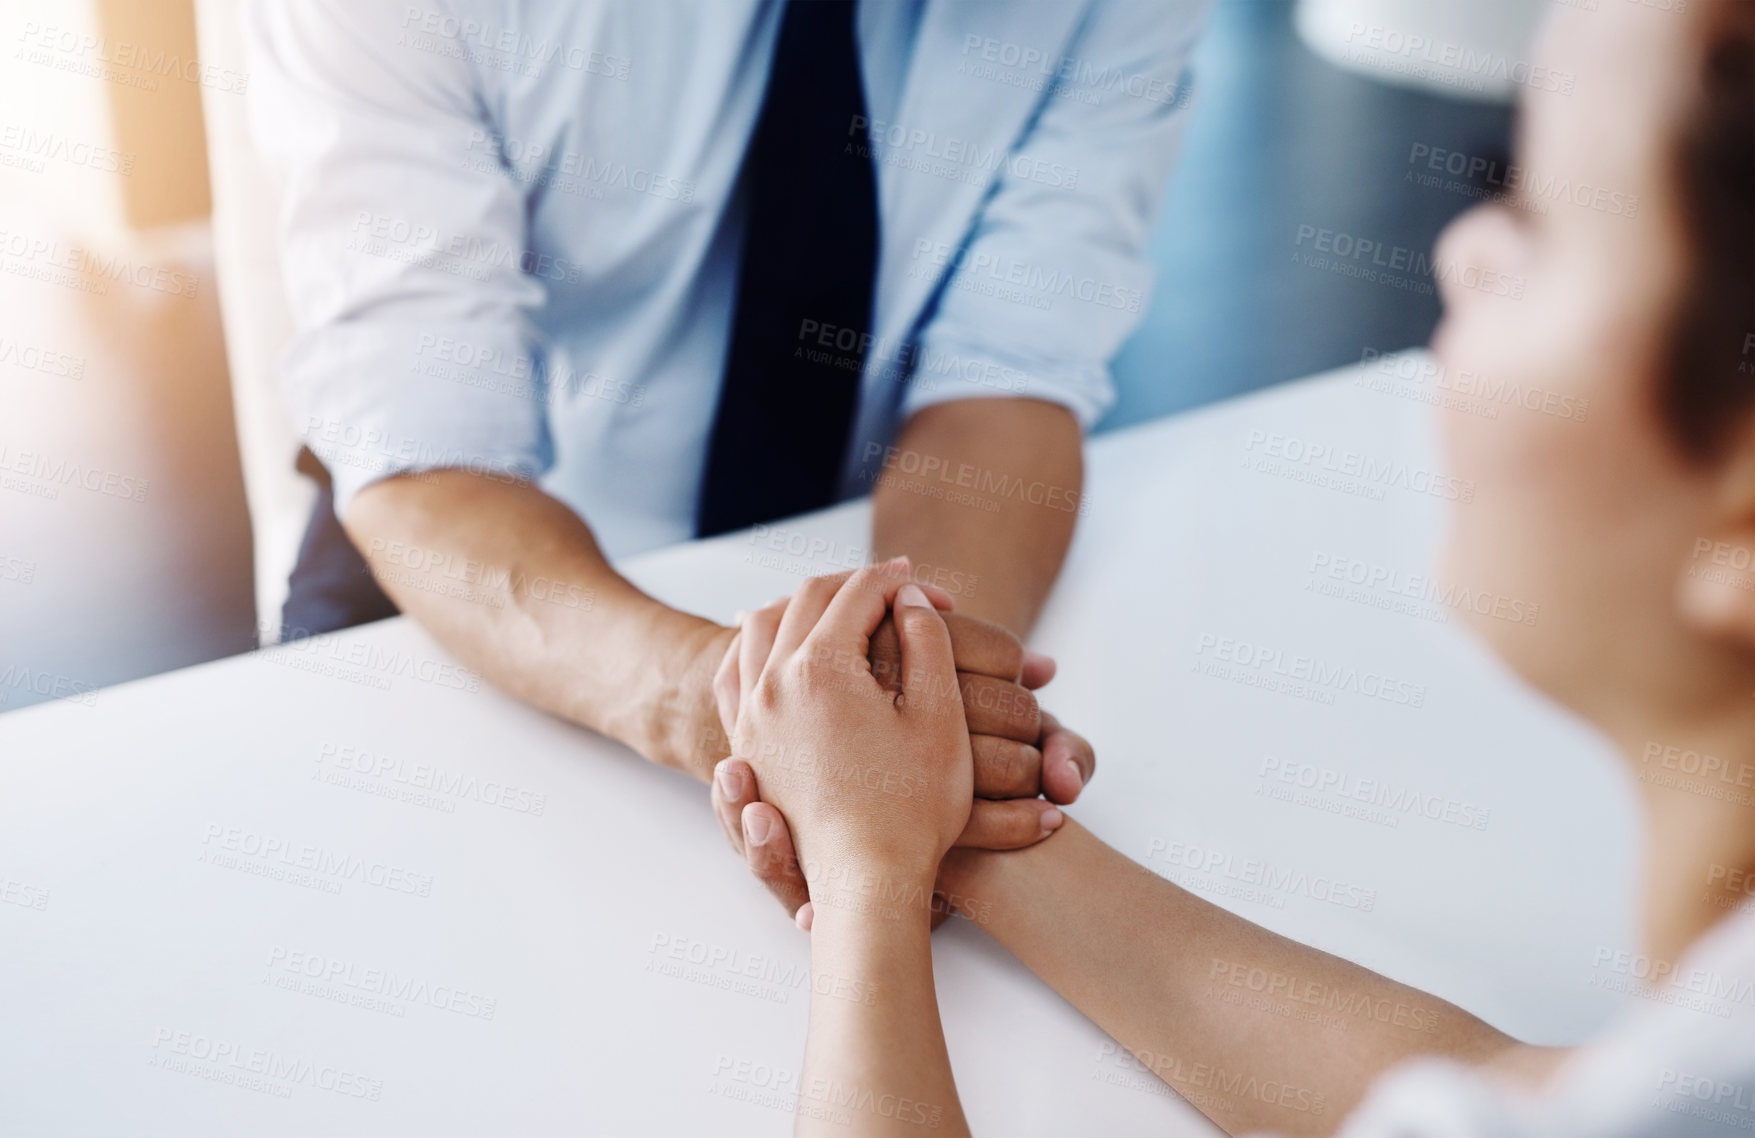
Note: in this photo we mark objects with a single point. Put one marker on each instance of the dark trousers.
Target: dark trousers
(331, 587)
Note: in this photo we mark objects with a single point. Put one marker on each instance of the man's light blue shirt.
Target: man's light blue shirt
(511, 228)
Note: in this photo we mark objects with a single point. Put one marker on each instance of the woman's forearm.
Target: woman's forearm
(1257, 1031)
(876, 1061)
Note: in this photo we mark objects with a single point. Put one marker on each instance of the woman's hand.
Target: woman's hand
(1019, 752)
(759, 833)
(875, 784)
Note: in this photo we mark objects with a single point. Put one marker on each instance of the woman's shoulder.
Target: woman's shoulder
(1678, 1063)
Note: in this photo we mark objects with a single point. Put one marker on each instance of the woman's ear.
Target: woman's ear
(1716, 593)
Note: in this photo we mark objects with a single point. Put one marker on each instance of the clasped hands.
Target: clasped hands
(872, 730)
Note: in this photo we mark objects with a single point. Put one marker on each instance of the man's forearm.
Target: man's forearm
(983, 494)
(1257, 1031)
(512, 582)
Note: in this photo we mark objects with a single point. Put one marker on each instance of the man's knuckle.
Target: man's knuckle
(1009, 653)
(1019, 825)
(1000, 644)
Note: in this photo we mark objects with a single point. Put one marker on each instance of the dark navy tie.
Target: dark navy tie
(803, 310)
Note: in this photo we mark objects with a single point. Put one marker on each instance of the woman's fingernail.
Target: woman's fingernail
(911, 595)
(1051, 819)
(730, 780)
(1077, 776)
(757, 827)
(805, 916)
(1042, 659)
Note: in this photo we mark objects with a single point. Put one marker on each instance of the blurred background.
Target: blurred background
(145, 464)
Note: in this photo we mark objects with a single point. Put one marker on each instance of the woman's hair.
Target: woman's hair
(1710, 363)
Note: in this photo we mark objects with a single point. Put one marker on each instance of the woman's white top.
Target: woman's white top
(1679, 1065)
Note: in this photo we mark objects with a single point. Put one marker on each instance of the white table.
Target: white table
(156, 966)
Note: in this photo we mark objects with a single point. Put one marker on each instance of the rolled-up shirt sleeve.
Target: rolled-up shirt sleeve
(1053, 277)
(403, 247)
